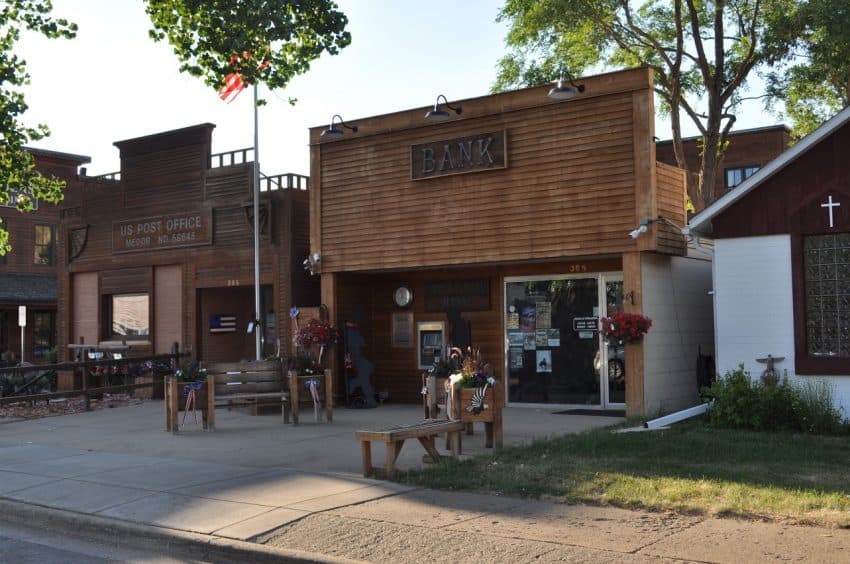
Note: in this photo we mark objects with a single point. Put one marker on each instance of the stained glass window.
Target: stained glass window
(827, 272)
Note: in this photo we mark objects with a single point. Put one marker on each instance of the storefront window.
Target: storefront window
(128, 316)
(44, 334)
(552, 334)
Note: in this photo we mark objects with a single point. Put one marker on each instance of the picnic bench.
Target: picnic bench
(234, 384)
(425, 431)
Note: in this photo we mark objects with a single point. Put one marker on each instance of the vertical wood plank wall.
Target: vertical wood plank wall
(170, 173)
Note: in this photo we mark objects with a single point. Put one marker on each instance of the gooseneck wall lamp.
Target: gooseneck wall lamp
(439, 114)
(334, 133)
(564, 90)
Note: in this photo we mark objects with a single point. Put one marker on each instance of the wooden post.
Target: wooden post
(293, 395)
(329, 396)
(210, 403)
(172, 405)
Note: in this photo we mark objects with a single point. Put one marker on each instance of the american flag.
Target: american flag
(222, 323)
(233, 85)
(233, 82)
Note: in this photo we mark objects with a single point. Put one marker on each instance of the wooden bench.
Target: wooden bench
(231, 385)
(395, 436)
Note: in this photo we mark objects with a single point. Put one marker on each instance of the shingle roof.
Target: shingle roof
(24, 288)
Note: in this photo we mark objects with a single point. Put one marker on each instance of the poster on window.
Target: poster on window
(553, 337)
(544, 315)
(527, 318)
(541, 338)
(515, 339)
(528, 342)
(513, 320)
(544, 361)
(515, 357)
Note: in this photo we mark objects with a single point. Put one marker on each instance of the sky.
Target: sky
(112, 82)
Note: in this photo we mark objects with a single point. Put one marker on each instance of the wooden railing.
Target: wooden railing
(230, 158)
(288, 181)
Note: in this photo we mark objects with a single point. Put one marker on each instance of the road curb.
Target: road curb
(116, 532)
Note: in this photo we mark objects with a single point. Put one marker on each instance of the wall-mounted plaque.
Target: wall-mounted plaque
(474, 153)
(461, 295)
(402, 330)
(185, 229)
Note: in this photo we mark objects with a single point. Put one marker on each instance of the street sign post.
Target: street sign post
(22, 322)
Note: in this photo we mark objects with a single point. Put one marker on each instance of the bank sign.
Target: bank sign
(187, 229)
(475, 153)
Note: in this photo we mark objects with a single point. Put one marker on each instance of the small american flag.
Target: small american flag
(233, 85)
(222, 323)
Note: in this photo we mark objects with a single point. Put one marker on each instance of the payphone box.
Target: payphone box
(430, 339)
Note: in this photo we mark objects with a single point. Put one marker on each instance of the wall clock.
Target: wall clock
(403, 296)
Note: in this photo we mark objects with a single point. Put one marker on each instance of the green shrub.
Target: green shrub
(815, 408)
(741, 403)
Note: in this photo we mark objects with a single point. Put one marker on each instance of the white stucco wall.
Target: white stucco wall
(754, 309)
(676, 297)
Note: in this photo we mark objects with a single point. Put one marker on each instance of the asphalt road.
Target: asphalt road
(25, 545)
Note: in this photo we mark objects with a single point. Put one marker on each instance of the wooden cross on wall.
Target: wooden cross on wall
(829, 204)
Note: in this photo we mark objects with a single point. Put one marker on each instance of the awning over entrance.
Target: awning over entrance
(27, 288)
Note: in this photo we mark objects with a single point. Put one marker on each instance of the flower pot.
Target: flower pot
(486, 415)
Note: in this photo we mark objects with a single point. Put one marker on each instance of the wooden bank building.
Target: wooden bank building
(162, 253)
(512, 223)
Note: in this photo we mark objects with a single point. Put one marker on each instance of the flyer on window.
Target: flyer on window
(513, 320)
(544, 361)
(544, 315)
(528, 342)
(516, 356)
(541, 338)
(554, 337)
(515, 339)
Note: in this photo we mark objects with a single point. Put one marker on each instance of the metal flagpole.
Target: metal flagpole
(257, 320)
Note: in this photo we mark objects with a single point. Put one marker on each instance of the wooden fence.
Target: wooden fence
(19, 380)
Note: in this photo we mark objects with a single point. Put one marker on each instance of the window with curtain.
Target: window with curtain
(44, 249)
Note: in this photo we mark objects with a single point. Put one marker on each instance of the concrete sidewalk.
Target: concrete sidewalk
(257, 490)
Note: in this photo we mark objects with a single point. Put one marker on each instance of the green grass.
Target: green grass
(691, 468)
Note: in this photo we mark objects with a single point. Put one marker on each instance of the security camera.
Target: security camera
(317, 258)
(635, 233)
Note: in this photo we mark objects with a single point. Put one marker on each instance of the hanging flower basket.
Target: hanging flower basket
(628, 327)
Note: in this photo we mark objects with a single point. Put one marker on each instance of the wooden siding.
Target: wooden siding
(367, 299)
(791, 202)
(168, 308)
(227, 183)
(580, 177)
(169, 173)
(670, 183)
(124, 281)
(86, 308)
(379, 219)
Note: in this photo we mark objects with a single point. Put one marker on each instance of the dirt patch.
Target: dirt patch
(66, 406)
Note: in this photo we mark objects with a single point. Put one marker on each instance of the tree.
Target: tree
(814, 56)
(268, 41)
(702, 54)
(20, 184)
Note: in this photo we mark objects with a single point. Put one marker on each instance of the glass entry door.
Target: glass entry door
(613, 363)
(554, 353)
